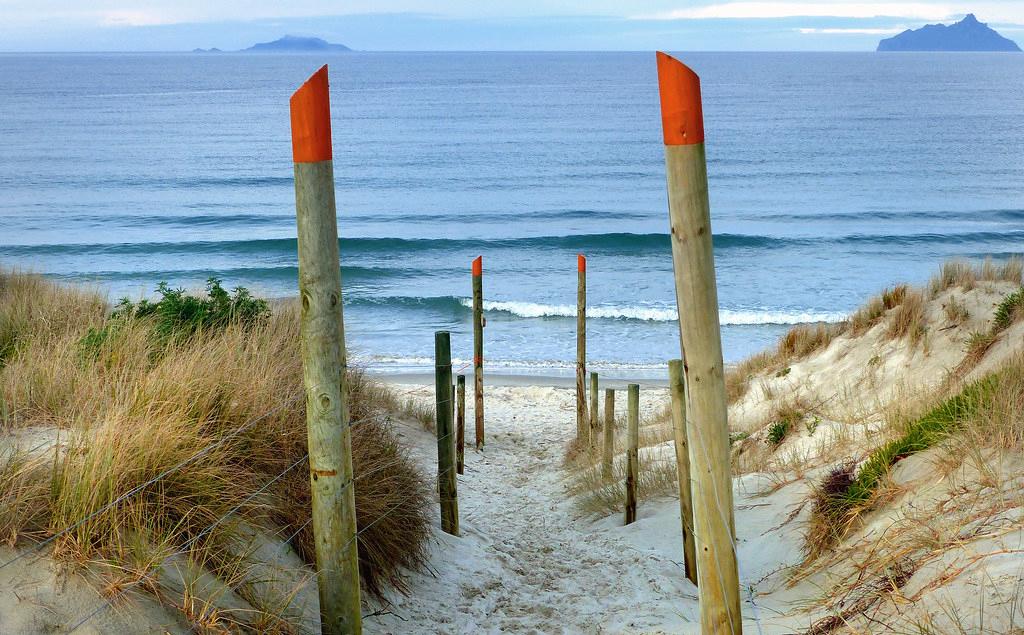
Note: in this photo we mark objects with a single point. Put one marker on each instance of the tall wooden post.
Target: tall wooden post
(701, 346)
(608, 451)
(632, 451)
(446, 481)
(582, 422)
(478, 349)
(594, 424)
(460, 422)
(677, 388)
(323, 360)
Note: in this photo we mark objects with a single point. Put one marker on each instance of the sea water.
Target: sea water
(831, 176)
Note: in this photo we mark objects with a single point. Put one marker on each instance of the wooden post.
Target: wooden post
(478, 349)
(701, 345)
(633, 451)
(446, 481)
(608, 452)
(460, 422)
(322, 344)
(582, 421)
(677, 388)
(594, 424)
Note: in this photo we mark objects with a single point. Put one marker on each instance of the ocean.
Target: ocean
(832, 175)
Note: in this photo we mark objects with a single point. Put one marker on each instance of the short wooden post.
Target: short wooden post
(582, 421)
(322, 345)
(460, 421)
(701, 345)
(594, 423)
(478, 349)
(608, 451)
(633, 451)
(446, 480)
(677, 388)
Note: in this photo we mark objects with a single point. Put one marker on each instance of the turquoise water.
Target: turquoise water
(831, 175)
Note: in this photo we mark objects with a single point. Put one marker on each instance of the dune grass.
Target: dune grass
(901, 307)
(124, 397)
(847, 492)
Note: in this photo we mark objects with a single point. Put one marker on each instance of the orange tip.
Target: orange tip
(311, 120)
(478, 266)
(581, 262)
(682, 118)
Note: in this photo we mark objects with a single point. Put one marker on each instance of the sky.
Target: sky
(460, 25)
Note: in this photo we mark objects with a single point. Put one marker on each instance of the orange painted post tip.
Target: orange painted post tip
(311, 120)
(581, 262)
(478, 266)
(682, 115)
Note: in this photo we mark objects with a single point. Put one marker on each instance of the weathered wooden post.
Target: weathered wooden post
(701, 346)
(323, 360)
(608, 451)
(446, 480)
(582, 422)
(478, 349)
(677, 388)
(594, 424)
(632, 451)
(460, 421)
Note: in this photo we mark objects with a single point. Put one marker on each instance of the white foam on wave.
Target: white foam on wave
(657, 313)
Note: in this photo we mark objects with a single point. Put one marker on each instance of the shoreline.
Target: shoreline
(516, 380)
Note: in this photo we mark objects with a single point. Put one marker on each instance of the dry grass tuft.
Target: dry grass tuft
(956, 311)
(908, 320)
(965, 275)
(131, 404)
(875, 309)
(804, 339)
(829, 514)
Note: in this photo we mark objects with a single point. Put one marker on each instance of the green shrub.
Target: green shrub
(178, 315)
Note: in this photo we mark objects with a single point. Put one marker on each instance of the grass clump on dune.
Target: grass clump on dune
(1010, 310)
(214, 381)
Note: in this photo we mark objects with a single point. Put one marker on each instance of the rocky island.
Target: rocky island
(296, 44)
(966, 35)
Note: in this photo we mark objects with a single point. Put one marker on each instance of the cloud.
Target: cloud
(852, 31)
(769, 10)
(136, 18)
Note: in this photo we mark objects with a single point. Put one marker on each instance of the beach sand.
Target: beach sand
(528, 561)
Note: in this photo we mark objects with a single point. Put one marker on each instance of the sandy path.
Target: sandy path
(526, 562)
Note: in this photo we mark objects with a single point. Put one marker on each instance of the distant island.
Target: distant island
(966, 35)
(288, 44)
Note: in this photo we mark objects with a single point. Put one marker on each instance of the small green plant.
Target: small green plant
(1009, 311)
(785, 371)
(777, 433)
(813, 424)
(737, 437)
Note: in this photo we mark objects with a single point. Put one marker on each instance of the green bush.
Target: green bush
(178, 315)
